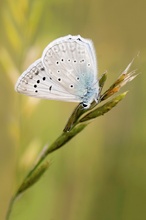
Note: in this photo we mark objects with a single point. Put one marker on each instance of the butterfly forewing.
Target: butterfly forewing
(70, 62)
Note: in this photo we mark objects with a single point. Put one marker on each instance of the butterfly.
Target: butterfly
(67, 71)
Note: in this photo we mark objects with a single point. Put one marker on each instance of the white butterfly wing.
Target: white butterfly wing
(71, 62)
(36, 82)
(67, 71)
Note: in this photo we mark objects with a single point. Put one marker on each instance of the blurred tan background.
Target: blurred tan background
(101, 173)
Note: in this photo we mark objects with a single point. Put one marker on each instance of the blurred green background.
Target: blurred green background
(101, 173)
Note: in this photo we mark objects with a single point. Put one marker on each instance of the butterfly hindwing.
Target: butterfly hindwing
(35, 81)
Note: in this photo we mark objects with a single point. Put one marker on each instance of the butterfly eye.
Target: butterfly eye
(85, 105)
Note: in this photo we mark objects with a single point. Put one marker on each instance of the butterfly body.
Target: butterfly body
(67, 71)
